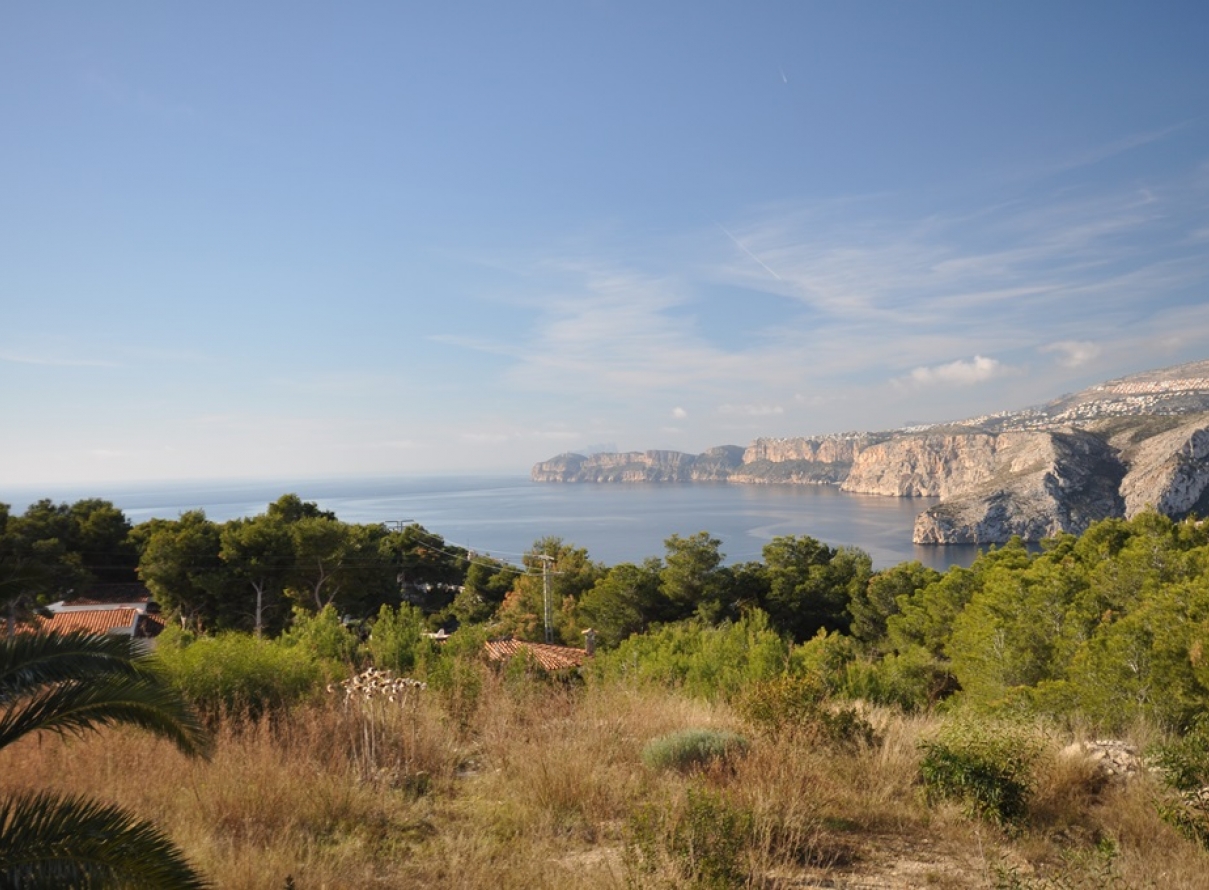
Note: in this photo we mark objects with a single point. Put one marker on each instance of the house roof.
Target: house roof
(97, 621)
(102, 621)
(549, 656)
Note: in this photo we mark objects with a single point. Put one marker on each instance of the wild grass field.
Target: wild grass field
(510, 780)
(796, 722)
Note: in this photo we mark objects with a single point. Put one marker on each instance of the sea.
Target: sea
(504, 515)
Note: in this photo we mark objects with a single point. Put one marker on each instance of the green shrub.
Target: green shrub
(913, 680)
(781, 701)
(987, 766)
(324, 635)
(397, 638)
(1185, 761)
(825, 658)
(844, 726)
(699, 844)
(1184, 764)
(238, 673)
(705, 661)
(455, 670)
(798, 704)
(692, 749)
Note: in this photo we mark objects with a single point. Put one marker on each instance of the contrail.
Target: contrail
(739, 244)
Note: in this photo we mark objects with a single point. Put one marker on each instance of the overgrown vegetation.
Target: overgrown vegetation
(740, 725)
(986, 766)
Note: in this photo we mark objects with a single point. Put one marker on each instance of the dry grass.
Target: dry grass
(541, 786)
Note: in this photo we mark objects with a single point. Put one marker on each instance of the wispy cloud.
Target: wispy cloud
(1110, 149)
(743, 247)
(56, 361)
(1072, 353)
(758, 410)
(869, 306)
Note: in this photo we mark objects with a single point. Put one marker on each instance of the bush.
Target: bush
(238, 673)
(454, 670)
(699, 844)
(703, 660)
(1184, 764)
(798, 704)
(397, 638)
(986, 766)
(913, 680)
(1185, 761)
(324, 635)
(692, 749)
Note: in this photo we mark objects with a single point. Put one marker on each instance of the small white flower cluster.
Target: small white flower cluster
(374, 683)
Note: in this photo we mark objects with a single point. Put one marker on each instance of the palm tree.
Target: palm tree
(72, 684)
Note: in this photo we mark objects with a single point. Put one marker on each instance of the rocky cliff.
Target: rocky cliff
(714, 465)
(925, 465)
(1112, 450)
(822, 460)
(1168, 471)
(1032, 484)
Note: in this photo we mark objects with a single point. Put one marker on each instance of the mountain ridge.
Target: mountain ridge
(1111, 450)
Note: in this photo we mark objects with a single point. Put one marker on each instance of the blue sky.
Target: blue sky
(304, 239)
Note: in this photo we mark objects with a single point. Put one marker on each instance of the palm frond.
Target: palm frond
(76, 707)
(47, 840)
(71, 683)
(30, 660)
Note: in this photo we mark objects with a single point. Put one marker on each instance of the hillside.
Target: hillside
(1111, 450)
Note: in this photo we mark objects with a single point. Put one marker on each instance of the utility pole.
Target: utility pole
(548, 606)
(397, 525)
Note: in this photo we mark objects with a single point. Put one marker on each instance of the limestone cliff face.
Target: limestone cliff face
(824, 460)
(640, 466)
(1031, 483)
(1169, 472)
(1112, 450)
(925, 465)
(633, 466)
(824, 449)
(717, 464)
(1036, 485)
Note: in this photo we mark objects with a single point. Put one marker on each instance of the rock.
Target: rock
(641, 466)
(824, 460)
(924, 465)
(717, 464)
(1037, 485)
(1112, 760)
(1169, 472)
(822, 449)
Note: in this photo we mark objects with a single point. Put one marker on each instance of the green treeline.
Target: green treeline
(1110, 626)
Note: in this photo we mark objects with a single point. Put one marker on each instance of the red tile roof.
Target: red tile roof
(100, 621)
(550, 657)
(97, 621)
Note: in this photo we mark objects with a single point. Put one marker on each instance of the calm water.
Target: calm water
(503, 515)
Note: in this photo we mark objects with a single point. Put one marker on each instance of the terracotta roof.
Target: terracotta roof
(97, 621)
(550, 657)
(101, 621)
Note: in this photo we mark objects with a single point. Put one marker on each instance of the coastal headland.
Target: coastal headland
(1112, 450)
